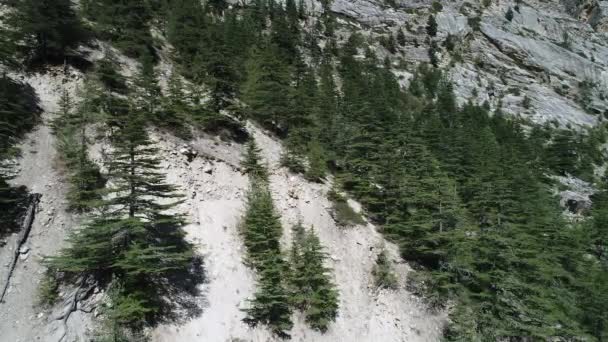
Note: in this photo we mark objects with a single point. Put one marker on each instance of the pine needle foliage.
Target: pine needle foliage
(70, 127)
(43, 31)
(261, 231)
(384, 276)
(132, 239)
(312, 290)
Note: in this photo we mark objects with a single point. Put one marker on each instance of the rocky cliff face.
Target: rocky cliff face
(549, 62)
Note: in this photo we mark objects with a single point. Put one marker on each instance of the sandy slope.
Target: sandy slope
(215, 190)
(215, 205)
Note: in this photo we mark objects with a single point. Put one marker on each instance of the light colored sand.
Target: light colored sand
(365, 314)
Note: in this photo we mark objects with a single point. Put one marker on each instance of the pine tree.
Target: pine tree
(560, 154)
(185, 31)
(176, 111)
(45, 30)
(313, 291)
(431, 26)
(509, 14)
(133, 240)
(400, 37)
(106, 71)
(328, 105)
(285, 32)
(148, 93)
(261, 227)
(316, 162)
(261, 232)
(270, 305)
(125, 23)
(221, 74)
(251, 162)
(71, 130)
(267, 86)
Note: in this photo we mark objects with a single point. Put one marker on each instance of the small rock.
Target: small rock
(208, 170)
(24, 249)
(24, 256)
(292, 193)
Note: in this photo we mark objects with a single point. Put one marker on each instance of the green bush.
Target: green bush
(343, 213)
(383, 273)
(48, 290)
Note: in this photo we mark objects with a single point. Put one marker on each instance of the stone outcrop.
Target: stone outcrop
(548, 63)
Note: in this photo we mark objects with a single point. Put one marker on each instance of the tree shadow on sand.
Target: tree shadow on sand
(179, 295)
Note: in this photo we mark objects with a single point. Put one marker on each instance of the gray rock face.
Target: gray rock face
(592, 11)
(548, 63)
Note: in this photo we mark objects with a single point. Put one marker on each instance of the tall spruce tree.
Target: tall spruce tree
(70, 127)
(261, 232)
(312, 289)
(125, 23)
(133, 241)
(267, 86)
(44, 30)
(270, 305)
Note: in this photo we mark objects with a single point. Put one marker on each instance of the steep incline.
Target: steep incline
(20, 318)
(215, 203)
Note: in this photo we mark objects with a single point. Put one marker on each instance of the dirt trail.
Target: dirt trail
(21, 320)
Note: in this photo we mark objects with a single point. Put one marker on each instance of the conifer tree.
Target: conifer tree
(125, 23)
(266, 87)
(270, 305)
(148, 93)
(313, 291)
(431, 26)
(261, 232)
(133, 240)
(316, 162)
(106, 72)
(44, 30)
(400, 37)
(251, 162)
(71, 130)
(261, 227)
(221, 74)
(185, 31)
(509, 14)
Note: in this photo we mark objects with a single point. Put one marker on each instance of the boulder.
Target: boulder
(574, 202)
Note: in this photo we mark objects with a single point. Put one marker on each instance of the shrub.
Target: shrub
(342, 211)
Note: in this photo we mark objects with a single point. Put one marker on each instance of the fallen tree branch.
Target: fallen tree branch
(26, 226)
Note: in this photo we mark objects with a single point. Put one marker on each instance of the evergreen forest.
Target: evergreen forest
(466, 192)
